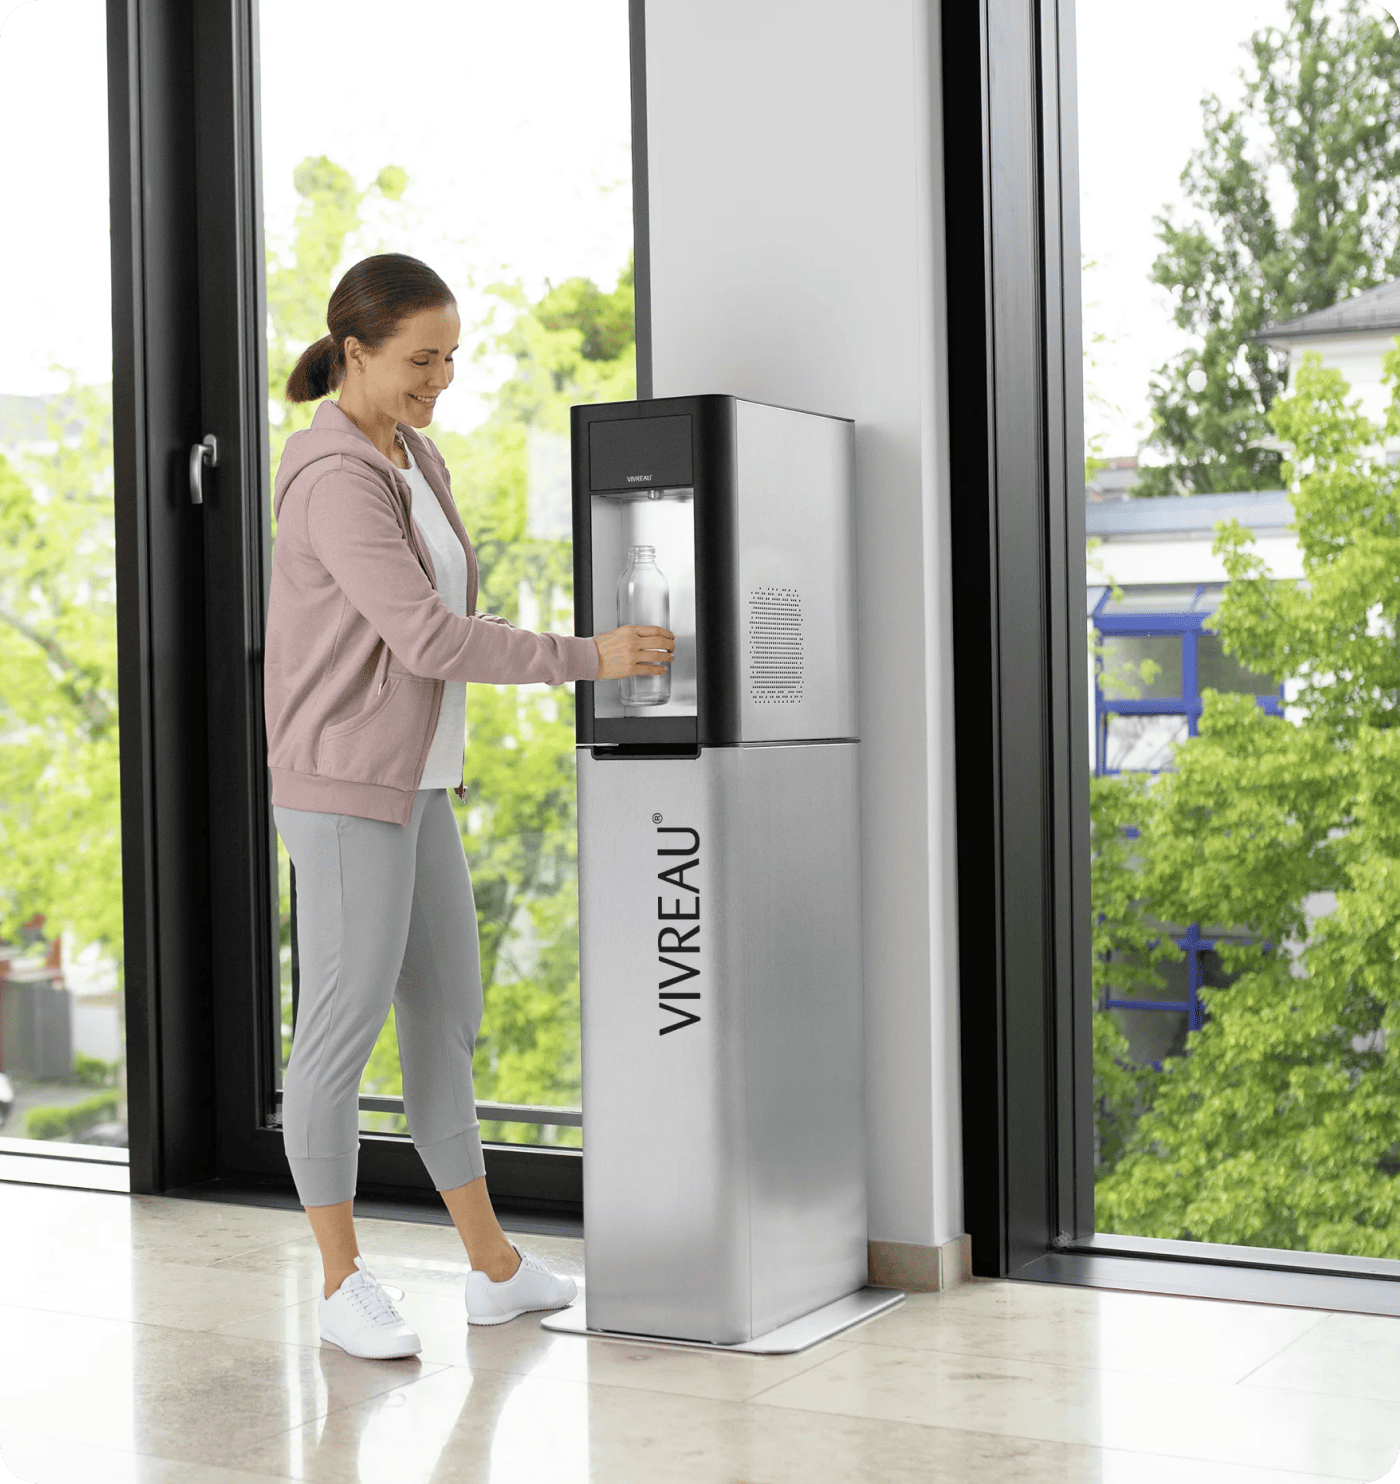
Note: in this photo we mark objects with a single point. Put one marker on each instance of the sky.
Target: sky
(54, 253)
(512, 121)
(1141, 81)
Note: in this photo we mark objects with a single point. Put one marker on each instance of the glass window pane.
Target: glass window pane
(1216, 670)
(1144, 667)
(62, 1041)
(1126, 979)
(512, 180)
(1142, 743)
(1153, 1036)
(1225, 342)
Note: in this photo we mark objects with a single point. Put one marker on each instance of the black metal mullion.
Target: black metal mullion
(1072, 1030)
(246, 972)
(972, 461)
(129, 469)
(641, 238)
(159, 592)
(1012, 316)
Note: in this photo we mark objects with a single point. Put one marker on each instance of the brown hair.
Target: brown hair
(370, 303)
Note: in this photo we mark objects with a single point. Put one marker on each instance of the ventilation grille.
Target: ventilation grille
(775, 646)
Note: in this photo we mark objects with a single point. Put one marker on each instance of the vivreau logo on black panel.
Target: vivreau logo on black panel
(678, 939)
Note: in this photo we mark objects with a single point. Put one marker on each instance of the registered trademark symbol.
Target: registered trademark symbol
(656, 819)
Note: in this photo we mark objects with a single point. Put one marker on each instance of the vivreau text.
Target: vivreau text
(679, 940)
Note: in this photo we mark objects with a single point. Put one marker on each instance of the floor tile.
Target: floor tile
(174, 1295)
(205, 1231)
(1148, 1334)
(460, 1428)
(47, 1229)
(1345, 1355)
(1344, 1437)
(33, 1460)
(526, 1349)
(523, 1347)
(487, 1428)
(172, 1393)
(185, 1333)
(1115, 1467)
(389, 1260)
(52, 1229)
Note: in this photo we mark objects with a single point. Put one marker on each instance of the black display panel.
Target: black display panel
(646, 453)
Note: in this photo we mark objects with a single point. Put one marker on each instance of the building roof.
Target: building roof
(1377, 311)
(1180, 515)
(1113, 479)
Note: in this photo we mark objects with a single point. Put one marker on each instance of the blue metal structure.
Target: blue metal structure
(1185, 622)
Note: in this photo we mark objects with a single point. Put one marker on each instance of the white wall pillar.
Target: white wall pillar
(796, 238)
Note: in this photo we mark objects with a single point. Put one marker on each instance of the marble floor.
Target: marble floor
(155, 1341)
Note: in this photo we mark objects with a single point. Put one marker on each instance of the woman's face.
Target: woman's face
(404, 377)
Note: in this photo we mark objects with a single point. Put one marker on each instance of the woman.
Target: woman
(372, 635)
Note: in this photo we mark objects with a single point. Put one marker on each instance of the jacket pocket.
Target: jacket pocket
(384, 743)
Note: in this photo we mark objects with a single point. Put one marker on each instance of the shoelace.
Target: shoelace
(372, 1300)
(529, 1260)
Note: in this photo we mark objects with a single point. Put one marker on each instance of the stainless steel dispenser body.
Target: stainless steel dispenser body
(724, 1123)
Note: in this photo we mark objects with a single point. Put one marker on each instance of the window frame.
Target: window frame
(1020, 684)
(1020, 657)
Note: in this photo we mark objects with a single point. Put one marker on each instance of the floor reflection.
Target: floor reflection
(529, 1446)
(156, 1341)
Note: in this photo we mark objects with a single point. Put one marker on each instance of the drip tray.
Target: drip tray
(797, 1334)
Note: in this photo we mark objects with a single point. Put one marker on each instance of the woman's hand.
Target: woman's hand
(634, 649)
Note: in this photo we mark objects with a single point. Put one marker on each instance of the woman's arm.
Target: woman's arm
(355, 534)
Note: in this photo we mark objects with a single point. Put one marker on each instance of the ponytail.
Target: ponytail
(320, 370)
(370, 302)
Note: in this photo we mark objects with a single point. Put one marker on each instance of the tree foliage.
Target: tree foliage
(1280, 1127)
(60, 807)
(1292, 204)
(1127, 945)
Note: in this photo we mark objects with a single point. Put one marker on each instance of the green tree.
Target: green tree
(1280, 1127)
(1292, 203)
(574, 344)
(300, 280)
(60, 817)
(1126, 947)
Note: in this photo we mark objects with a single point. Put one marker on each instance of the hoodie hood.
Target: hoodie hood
(331, 435)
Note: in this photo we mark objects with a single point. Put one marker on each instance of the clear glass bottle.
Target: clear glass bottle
(644, 597)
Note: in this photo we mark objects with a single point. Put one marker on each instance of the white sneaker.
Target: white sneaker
(360, 1317)
(531, 1288)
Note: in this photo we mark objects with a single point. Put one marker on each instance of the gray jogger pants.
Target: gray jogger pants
(384, 915)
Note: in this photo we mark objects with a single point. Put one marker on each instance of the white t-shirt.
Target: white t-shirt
(444, 766)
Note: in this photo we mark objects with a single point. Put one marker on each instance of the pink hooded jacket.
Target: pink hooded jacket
(358, 641)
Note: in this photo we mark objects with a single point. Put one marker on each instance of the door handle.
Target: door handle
(202, 455)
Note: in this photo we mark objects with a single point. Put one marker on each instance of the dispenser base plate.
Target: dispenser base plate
(797, 1334)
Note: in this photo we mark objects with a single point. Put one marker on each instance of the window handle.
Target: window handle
(202, 455)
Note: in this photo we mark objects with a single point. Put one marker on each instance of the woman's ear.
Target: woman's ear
(355, 355)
